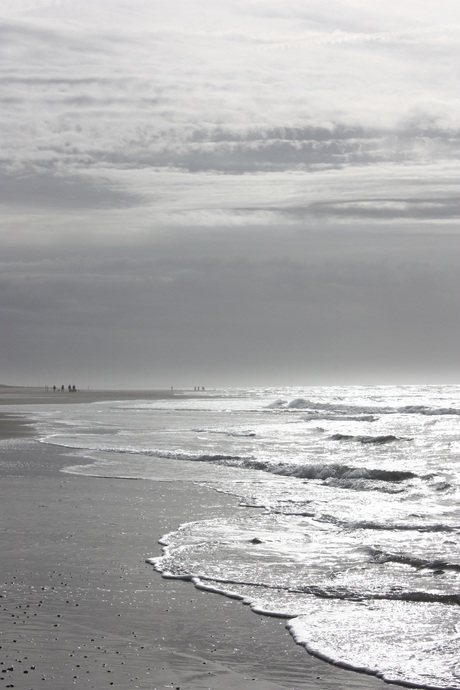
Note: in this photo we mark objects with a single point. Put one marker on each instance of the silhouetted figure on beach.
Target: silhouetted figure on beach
(74, 390)
(54, 389)
(62, 388)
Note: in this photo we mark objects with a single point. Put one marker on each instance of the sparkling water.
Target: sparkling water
(356, 536)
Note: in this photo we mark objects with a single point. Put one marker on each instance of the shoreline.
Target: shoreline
(24, 395)
(82, 608)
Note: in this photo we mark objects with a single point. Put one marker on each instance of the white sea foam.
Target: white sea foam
(414, 644)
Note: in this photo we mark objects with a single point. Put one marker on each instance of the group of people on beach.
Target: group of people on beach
(70, 388)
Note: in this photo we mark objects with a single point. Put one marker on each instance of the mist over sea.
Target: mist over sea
(356, 536)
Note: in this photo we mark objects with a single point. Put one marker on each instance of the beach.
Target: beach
(80, 607)
(21, 395)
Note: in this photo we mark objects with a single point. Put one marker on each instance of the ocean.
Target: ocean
(355, 536)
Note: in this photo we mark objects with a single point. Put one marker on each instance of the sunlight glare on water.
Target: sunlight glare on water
(356, 535)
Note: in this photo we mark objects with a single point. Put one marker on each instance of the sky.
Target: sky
(231, 193)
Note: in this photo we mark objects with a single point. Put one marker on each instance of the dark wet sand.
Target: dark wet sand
(13, 426)
(80, 608)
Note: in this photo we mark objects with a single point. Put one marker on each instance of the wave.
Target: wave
(437, 565)
(336, 470)
(149, 452)
(332, 407)
(378, 440)
(226, 432)
(329, 417)
(350, 594)
(171, 566)
(316, 471)
(364, 484)
(423, 409)
(215, 585)
(304, 404)
(320, 471)
(410, 523)
(277, 404)
(367, 639)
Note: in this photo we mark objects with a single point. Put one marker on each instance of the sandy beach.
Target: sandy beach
(21, 395)
(81, 608)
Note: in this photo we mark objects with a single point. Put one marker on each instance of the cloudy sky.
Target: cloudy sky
(229, 192)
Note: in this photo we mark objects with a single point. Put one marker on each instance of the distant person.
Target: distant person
(54, 389)
(62, 388)
(74, 390)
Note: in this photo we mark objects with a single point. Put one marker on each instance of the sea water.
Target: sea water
(355, 538)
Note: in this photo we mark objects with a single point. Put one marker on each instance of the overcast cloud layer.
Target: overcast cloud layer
(229, 193)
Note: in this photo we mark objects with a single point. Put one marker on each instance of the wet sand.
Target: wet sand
(80, 607)
(13, 426)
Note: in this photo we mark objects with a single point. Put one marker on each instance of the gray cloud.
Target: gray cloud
(48, 190)
(387, 209)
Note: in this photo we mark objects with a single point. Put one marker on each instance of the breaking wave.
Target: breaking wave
(315, 471)
(379, 440)
(437, 565)
(304, 404)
